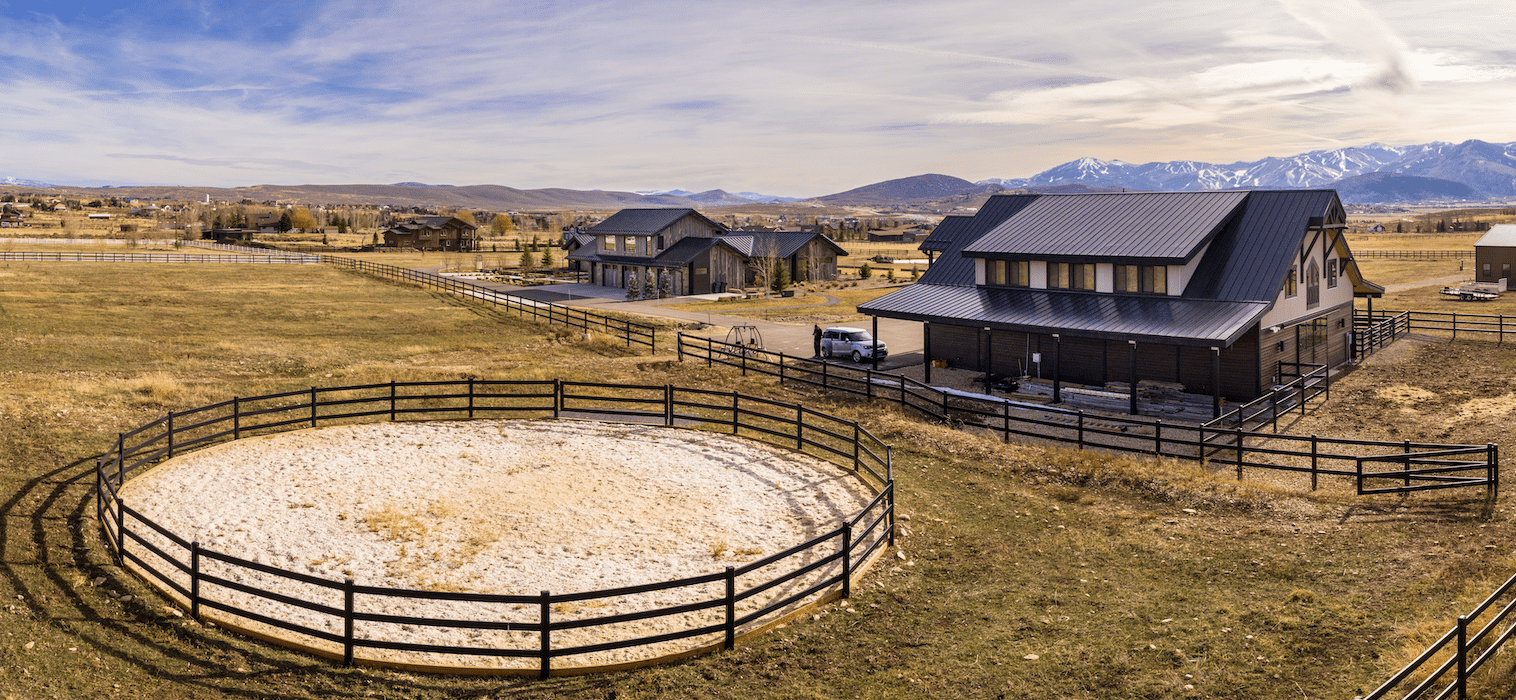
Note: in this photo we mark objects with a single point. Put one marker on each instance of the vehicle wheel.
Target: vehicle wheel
(857, 357)
(1466, 297)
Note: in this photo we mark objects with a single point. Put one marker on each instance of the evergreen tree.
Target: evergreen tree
(547, 257)
(864, 272)
(285, 224)
(781, 277)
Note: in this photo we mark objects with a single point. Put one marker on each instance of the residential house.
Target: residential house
(683, 252)
(433, 233)
(1224, 293)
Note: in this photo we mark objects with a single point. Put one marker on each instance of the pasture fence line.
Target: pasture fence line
(1310, 381)
(1465, 653)
(26, 256)
(1483, 326)
(811, 573)
(633, 333)
(1413, 254)
(1372, 332)
(1413, 466)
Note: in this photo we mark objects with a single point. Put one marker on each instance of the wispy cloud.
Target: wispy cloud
(788, 97)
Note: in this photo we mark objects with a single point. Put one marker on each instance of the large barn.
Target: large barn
(1186, 286)
(1494, 253)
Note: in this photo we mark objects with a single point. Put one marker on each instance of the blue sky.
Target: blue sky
(789, 98)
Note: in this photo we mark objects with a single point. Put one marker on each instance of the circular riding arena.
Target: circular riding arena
(453, 545)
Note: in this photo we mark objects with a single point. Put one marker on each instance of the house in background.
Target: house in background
(1224, 293)
(1494, 253)
(683, 252)
(433, 233)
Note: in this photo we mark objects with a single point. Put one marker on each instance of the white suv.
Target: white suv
(841, 341)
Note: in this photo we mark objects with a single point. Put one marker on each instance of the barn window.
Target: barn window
(1331, 270)
(1142, 279)
(1289, 284)
(1312, 286)
(1071, 276)
(1007, 273)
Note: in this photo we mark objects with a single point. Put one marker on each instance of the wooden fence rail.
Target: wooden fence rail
(815, 571)
(1218, 446)
(632, 332)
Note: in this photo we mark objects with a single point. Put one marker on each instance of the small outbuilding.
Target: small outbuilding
(1494, 253)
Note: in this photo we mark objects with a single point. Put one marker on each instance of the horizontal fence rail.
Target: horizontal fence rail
(1483, 326)
(26, 256)
(725, 605)
(1447, 666)
(1413, 254)
(1219, 447)
(632, 332)
(1309, 381)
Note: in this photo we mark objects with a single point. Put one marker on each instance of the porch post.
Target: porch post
(1057, 369)
(875, 354)
(1132, 371)
(1215, 383)
(989, 358)
(926, 347)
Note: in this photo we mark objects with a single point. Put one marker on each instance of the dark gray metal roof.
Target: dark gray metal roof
(683, 252)
(646, 222)
(1171, 320)
(776, 244)
(951, 267)
(1250, 261)
(945, 232)
(1159, 227)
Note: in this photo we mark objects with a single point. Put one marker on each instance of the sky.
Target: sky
(784, 98)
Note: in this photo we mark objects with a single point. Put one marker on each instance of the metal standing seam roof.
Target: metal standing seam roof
(778, 244)
(1163, 227)
(1499, 235)
(1235, 283)
(941, 236)
(646, 222)
(1171, 320)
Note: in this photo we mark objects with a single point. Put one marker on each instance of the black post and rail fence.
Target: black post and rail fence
(1373, 330)
(633, 333)
(1371, 465)
(794, 581)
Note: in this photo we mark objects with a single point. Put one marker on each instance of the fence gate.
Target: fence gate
(1424, 471)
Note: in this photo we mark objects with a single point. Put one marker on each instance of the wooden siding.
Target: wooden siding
(1495, 257)
(1284, 344)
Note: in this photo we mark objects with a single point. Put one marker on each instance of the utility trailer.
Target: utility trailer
(1476, 291)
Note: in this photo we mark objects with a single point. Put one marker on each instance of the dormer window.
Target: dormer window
(1142, 279)
(1071, 276)
(1007, 273)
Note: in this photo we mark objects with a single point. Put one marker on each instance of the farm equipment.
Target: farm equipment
(1476, 291)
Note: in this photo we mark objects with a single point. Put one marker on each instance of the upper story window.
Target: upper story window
(1071, 276)
(629, 244)
(1290, 289)
(1142, 279)
(1331, 270)
(608, 243)
(1312, 285)
(1007, 273)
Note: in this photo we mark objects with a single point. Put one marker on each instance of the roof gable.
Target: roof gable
(1161, 227)
(1249, 260)
(647, 222)
(951, 267)
(1499, 235)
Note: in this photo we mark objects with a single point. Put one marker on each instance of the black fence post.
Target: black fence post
(1158, 437)
(470, 397)
(236, 418)
(824, 365)
(313, 407)
(731, 608)
(392, 400)
(195, 580)
(856, 432)
(668, 405)
(170, 434)
(557, 397)
(546, 656)
(1080, 440)
(1491, 470)
(679, 346)
(710, 351)
(1313, 462)
(847, 560)
(735, 411)
(1005, 420)
(799, 427)
(347, 622)
(1406, 465)
(1463, 657)
(1238, 435)
(868, 388)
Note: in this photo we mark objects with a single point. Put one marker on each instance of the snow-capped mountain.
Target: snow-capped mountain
(18, 182)
(1489, 169)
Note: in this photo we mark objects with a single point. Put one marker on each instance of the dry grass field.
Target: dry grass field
(1024, 572)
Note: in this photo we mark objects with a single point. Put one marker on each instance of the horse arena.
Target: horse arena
(513, 507)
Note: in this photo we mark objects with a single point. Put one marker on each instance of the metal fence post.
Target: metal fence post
(170, 434)
(731, 608)
(195, 580)
(1463, 657)
(1005, 420)
(668, 405)
(236, 418)
(347, 622)
(1313, 462)
(546, 655)
(1238, 434)
(1081, 429)
(847, 560)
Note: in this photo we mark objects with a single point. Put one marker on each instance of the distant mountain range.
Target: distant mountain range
(1376, 173)
(1483, 170)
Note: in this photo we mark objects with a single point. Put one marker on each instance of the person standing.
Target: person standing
(816, 340)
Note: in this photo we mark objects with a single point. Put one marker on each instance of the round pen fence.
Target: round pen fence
(723, 607)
